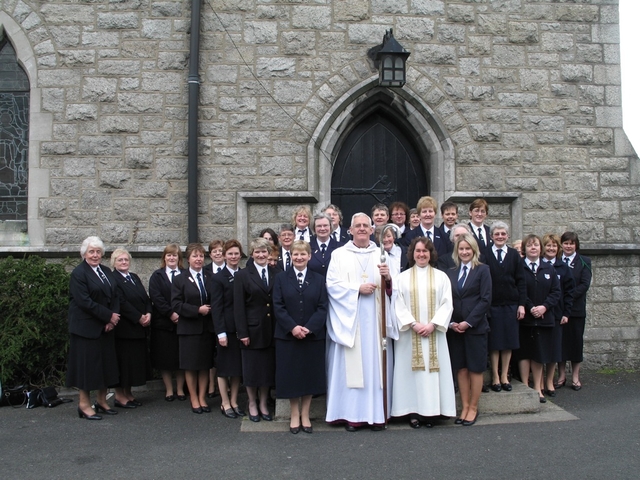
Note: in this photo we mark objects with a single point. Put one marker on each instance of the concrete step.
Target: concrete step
(521, 399)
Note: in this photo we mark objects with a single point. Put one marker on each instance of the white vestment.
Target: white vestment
(421, 391)
(354, 347)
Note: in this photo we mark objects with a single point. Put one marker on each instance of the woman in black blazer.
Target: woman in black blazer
(132, 331)
(507, 304)
(552, 249)
(573, 330)
(229, 357)
(322, 244)
(468, 329)
(164, 339)
(300, 306)
(253, 310)
(190, 300)
(94, 307)
(536, 328)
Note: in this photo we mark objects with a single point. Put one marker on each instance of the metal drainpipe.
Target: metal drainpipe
(194, 88)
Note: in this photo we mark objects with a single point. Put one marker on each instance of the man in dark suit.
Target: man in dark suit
(478, 211)
(339, 234)
(573, 330)
(286, 236)
(427, 207)
(449, 213)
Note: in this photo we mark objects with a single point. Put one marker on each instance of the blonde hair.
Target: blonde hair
(467, 237)
(116, 253)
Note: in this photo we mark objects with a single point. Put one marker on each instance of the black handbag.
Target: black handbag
(47, 397)
(14, 396)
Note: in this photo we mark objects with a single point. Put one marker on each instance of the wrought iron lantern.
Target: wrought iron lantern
(392, 62)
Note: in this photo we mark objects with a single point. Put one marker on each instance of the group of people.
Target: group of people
(381, 317)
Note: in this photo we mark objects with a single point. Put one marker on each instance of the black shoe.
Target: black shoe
(254, 418)
(212, 395)
(206, 409)
(266, 417)
(414, 423)
(123, 405)
(197, 410)
(485, 388)
(239, 412)
(377, 428)
(496, 387)
(458, 421)
(182, 398)
(428, 425)
(560, 384)
(308, 429)
(350, 428)
(468, 423)
(576, 386)
(229, 413)
(507, 387)
(135, 402)
(550, 393)
(170, 398)
(100, 409)
(81, 414)
(295, 430)
(543, 400)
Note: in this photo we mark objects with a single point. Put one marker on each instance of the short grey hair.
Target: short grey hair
(456, 226)
(259, 244)
(361, 214)
(91, 242)
(499, 225)
(321, 216)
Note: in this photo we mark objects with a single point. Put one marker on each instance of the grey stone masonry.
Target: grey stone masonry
(515, 100)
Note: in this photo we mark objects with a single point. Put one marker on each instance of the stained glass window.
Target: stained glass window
(14, 135)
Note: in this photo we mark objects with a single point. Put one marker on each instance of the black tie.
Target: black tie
(103, 277)
(566, 260)
(323, 247)
(429, 234)
(129, 279)
(500, 255)
(335, 236)
(302, 232)
(219, 268)
(462, 278)
(288, 264)
(480, 237)
(264, 277)
(173, 275)
(203, 293)
(533, 267)
(300, 279)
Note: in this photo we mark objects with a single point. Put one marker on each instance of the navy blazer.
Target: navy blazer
(134, 302)
(91, 302)
(253, 307)
(209, 268)
(567, 287)
(581, 270)
(344, 236)
(160, 294)
(222, 302)
(316, 262)
(294, 305)
(508, 285)
(543, 288)
(186, 301)
(486, 249)
(441, 244)
(471, 303)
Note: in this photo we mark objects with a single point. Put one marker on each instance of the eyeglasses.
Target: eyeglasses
(399, 214)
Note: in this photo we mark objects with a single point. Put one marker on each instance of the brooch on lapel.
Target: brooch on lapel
(547, 276)
(191, 280)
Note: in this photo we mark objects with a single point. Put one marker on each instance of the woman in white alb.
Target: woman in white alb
(422, 378)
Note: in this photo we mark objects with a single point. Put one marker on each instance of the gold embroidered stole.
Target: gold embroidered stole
(417, 358)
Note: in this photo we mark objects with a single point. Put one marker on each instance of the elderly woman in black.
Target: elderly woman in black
(300, 306)
(190, 300)
(229, 356)
(132, 331)
(93, 314)
(536, 329)
(467, 335)
(253, 310)
(164, 339)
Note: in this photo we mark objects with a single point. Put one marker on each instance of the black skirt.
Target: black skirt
(536, 344)
(504, 328)
(573, 339)
(92, 363)
(133, 362)
(556, 343)
(229, 358)
(165, 350)
(259, 367)
(467, 351)
(300, 368)
(196, 351)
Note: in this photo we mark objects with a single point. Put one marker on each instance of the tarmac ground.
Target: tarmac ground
(590, 434)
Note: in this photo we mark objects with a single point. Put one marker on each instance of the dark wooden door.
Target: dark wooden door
(377, 164)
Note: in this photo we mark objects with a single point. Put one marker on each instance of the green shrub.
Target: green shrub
(34, 338)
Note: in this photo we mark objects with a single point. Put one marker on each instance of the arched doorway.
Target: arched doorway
(377, 163)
